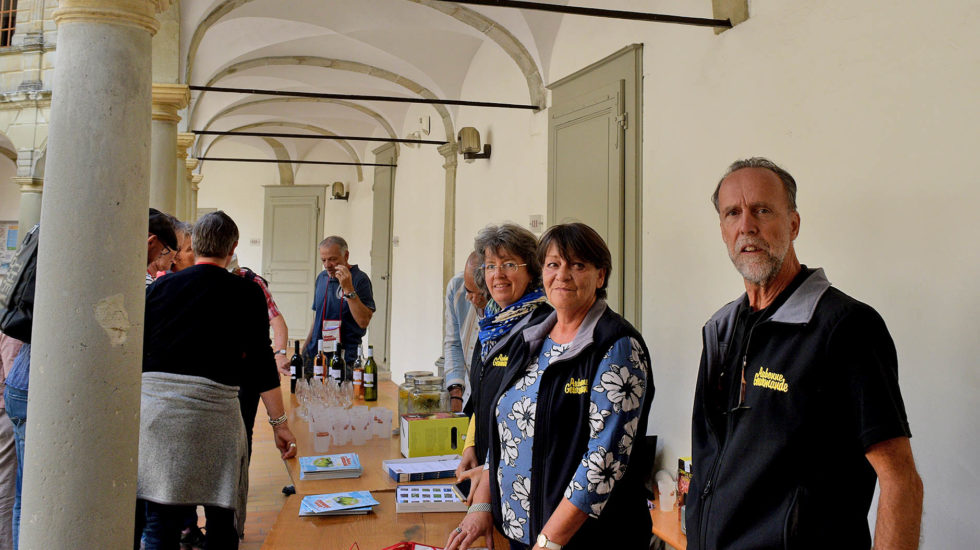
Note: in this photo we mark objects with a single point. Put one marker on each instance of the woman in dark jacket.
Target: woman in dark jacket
(510, 272)
(563, 470)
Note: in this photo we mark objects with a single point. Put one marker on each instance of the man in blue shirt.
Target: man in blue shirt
(342, 293)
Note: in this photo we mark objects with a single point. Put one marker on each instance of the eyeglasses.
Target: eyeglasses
(509, 267)
(166, 251)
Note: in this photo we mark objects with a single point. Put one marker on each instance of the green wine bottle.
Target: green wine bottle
(370, 376)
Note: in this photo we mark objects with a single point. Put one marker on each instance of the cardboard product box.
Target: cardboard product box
(433, 434)
(685, 470)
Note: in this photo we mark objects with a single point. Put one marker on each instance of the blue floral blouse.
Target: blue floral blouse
(616, 396)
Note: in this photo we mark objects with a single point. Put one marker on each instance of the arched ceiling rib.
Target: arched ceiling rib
(340, 65)
(282, 100)
(427, 55)
(342, 143)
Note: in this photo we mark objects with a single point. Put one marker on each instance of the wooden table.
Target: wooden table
(382, 528)
(379, 529)
(667, 526)
(371, 454)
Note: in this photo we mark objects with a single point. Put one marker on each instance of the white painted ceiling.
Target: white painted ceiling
(372, 47)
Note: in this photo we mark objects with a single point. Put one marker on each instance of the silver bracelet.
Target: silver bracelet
(277, 421)
(479, 507)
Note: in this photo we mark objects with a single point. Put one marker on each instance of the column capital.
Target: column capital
(191, 163)
(133, 13)
(168, 99)
(28, 184)
(449, 151)
(184, 141)
(196, 181)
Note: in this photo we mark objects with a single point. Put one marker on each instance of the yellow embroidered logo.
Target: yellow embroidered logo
(772, 380)
(577, 386)
(500, 361)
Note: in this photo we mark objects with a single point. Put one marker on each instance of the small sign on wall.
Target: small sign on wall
(255, 242)
(536, 223)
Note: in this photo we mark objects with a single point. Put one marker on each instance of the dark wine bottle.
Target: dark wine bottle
(337, 366)
(370, 376)
(295, 368)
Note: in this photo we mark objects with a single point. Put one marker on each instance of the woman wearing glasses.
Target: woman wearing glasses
(511, 273)
(563, 469)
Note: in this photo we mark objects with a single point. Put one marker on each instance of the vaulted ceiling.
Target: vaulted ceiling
(406, 48)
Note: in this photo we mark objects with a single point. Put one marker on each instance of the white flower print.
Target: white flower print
(529, 377)
(597, 420)
(629, 432)
(604, 471)
(522, 492)
(555, 351)
(624, 390)
(500, 479)
(636, 354)
(513, 525)
(597, 508)
(508, 445)
(523, 413)
(572, 487)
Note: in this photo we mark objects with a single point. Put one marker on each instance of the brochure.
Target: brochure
(337, 504)
(337, 466)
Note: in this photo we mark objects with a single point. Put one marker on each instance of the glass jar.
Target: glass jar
(428, 396)
(406, 388)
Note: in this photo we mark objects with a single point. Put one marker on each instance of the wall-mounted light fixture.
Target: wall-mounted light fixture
(469, 144)
(338, 193)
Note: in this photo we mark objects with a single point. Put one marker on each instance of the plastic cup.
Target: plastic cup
(322, 428)
(340, 419)
(667, 488)
(381, 422)
(361, 420)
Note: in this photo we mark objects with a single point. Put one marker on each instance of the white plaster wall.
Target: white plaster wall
(236, 188)
(512, 184)
(873, 109)
(9, 191)
(416, 266)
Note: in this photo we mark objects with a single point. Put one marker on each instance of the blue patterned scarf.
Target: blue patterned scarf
(497, 322)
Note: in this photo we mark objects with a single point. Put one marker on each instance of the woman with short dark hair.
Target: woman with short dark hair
(563, 470)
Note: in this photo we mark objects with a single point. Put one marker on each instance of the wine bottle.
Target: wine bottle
(358, 373)
(318, 365)
(337, 365)
(295, 366)
(370, 376)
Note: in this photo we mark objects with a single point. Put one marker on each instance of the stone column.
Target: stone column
(30, 204)
(195, 187)
(79, 488)
(189, 166)
(449, 151)
(167, 100)
(184, 141)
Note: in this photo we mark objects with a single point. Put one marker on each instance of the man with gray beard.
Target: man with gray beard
(797, 410)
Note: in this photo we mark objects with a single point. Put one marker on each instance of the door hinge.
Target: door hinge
(623, 121)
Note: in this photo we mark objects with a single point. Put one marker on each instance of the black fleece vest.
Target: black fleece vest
(561, 436)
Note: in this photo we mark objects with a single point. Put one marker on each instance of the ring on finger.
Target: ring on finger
(459, 530)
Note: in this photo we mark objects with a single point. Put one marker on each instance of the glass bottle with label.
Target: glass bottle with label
(370, 376)
(337, 366)
(295, 368)
(357, 371)
(318, 365)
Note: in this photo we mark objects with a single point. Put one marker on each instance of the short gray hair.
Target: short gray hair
(514, 239)
(184, 228)
(789, 184)
(215, 235)
(334, 240)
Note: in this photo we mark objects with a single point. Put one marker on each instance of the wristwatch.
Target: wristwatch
(350, 295)
(543, 542)
(281, 352)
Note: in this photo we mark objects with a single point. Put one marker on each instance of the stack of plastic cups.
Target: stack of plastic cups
(381, 422)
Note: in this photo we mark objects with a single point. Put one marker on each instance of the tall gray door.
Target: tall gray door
(290, 261)
(379, 334)
(594, 164)
(587, 163)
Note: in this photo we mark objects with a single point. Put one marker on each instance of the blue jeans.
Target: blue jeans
(16, 401)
